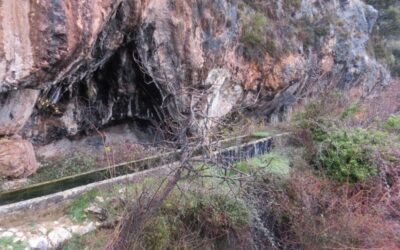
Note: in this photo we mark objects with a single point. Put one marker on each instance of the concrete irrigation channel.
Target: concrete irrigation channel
(47, 194)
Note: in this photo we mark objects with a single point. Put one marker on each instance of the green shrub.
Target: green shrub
(322, 115)
(348, 155)
(313, 119)
(393, 123)
(296, 3)
(292, 4)
(253, 37)
(220, 211)
(254, 29)
(157, 234)
(195, 216)
(351, 110)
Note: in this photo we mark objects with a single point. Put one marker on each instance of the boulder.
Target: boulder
(15, 109)
(39, 243)
(83, 229)
(221, 97)
(100, 213)
(59, 236)
(17, 158)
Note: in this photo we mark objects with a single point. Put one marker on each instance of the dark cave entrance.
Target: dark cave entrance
(118, 92)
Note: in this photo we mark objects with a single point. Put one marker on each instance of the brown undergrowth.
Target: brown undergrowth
(313, 213)
(320, 206)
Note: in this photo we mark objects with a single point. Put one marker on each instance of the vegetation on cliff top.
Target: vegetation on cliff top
(386, 34)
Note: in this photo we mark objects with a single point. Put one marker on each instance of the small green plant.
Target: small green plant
(320, 116)
(78, 206)
(158, 233)
(254, 37)
(220, 211)
(348, 155)
(313, 119)
(254, 29)
(392, 124)
(350, 111)
(295, 3)
(8, 243)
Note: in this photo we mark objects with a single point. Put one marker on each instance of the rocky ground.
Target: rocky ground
(53, 228)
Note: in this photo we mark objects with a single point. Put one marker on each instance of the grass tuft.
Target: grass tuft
(8, 243)
(77, 208)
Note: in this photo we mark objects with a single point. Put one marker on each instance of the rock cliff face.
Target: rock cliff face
(67, 67)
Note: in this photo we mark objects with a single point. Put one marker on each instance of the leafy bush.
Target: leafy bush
(295, 3)
(315, 118)
(254, 36)
(158, 234)
(393, 123)
(254, 29)
(220, 211)
(351, 110)
(348, 155)
(196, 218)
(343, 154)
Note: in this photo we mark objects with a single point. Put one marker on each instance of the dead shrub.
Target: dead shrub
(315, 213)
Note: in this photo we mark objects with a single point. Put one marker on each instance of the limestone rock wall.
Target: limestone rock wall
(67, 67)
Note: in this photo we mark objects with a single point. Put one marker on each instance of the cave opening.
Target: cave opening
(122, 92)
(118, 92)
